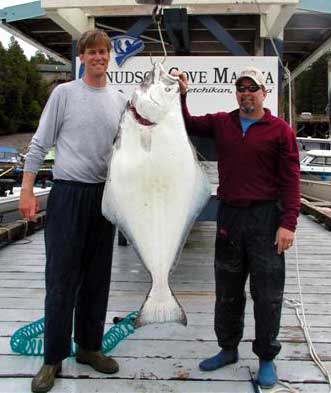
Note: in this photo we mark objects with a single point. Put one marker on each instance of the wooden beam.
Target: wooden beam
(73, 21)
(325, 47)
(176, 24)
(184, 3)
(140, 26)
(222, 35)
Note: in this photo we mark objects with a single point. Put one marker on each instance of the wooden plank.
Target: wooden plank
(197, 302)
(163, 369)
(166, 349)
(62, 385)
(321, 215)
(36, 289)
(199, 332)
(24, 317)
(181, 273)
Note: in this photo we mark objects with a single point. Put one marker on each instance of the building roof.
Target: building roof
(307, 25)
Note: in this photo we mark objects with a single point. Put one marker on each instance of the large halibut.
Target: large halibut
(155, 188)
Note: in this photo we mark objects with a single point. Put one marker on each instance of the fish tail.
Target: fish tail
(154, 311)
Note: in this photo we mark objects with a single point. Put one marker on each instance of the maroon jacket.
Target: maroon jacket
(260, 166)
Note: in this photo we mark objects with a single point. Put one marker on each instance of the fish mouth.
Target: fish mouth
(141, 120)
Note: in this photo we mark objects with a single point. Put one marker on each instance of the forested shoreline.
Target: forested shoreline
(23, 93)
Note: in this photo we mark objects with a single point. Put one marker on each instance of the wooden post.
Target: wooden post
(293, 111)
(329, 96)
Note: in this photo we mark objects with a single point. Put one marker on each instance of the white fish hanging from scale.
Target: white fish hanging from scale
(156, 188)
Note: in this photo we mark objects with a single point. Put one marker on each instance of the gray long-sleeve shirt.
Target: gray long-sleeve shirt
(82, 122)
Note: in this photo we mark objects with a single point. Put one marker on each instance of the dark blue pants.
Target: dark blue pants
(245, 245)
(79, 246)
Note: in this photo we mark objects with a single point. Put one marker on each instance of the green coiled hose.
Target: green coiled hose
(26, 342)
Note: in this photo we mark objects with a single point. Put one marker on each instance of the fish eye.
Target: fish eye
(167, 89)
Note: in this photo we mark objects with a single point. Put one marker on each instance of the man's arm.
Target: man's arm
(202, 126)
(44, 138)
(289, 184)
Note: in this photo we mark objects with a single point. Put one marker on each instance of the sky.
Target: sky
(29, 50)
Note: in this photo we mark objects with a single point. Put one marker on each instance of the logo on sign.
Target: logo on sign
(126, 46)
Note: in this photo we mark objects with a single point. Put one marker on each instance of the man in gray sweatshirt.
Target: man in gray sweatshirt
(80, 119)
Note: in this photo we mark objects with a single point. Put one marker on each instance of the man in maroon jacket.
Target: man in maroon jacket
(258, 165)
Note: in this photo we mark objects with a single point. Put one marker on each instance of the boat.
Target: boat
(317, 191)
(308, 143)
(315, 176)
(316, 165)
(10, 159)
(9, 202)
(45, 173)
(44, 176)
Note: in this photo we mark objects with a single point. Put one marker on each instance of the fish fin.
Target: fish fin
(153, 311)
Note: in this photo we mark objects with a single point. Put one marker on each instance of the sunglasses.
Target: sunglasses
(251, 88)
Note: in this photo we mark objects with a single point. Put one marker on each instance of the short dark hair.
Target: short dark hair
(91, 38)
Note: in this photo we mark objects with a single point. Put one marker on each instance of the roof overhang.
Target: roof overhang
(53, 24)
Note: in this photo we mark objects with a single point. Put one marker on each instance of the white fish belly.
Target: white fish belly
(154, 196)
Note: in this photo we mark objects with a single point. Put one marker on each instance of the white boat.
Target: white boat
(316, 165)
(308, 143)
(9, 203)
(319, 191)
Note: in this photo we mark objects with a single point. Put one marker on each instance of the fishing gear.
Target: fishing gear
(25, 340)
(157, 18)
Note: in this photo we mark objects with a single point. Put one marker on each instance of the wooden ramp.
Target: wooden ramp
(164, 358)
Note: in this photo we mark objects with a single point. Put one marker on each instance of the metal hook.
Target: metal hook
(157, 13)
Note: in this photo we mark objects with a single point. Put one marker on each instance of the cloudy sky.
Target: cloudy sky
(4, 36)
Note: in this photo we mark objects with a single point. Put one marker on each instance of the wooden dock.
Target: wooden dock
(164, 358)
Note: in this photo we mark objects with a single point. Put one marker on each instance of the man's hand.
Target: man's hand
(183, 83)
(284, 239)
(28, 205)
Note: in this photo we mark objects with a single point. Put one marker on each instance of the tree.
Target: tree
(40, 58)
(23, 94)
(16, 70)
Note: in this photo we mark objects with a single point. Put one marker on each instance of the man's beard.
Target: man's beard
(247, 106)
(247, 109)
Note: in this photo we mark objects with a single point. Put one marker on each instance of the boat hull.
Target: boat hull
(316, 190)
(9, 203)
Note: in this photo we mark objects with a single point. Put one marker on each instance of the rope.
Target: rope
(298, 306)
(157, 17)
(7, 171)
(25, 340)
(284, 386)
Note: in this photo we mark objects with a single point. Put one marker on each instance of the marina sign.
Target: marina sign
(211, 78)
